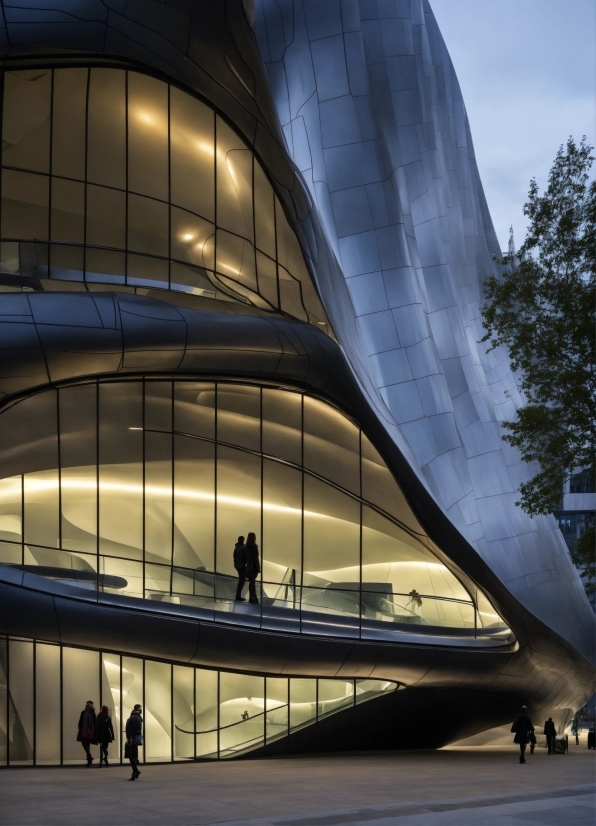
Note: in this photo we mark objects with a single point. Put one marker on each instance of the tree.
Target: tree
(583, 556)
(542, 308)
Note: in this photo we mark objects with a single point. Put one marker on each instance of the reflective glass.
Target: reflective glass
(234, 183)
(80, 682)
(146, 271)
(276, 719)
(158, 405)
(282, 532)
(41, 497)
(148, 228)
(159, 473)
(68, 211)
(264, 213)
(157, 712)
(11, 524)
(69, 113)
(184, 712)
(267, 279)
(238, 502)
(111, 697)
(241, 712)
(147, 136)
(282, 424)
(334, 695)
(192, 160)
(380, 488)
(194, 408)
(331, 444)
(303, 702)
(236, 262)
(67, 263)
(106, 216)
(206, 713)
(194, 503)
(26, 119)
(132, 692)
(25, 212)
(106, 128)
(4, 702)
(192, 238)
(239, 415)
(105, 266)
(21, 702)
(47, 704)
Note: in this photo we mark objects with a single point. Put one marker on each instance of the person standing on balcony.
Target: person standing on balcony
(253, 566)
(240, 566)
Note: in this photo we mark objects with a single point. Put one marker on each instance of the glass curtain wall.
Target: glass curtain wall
(189, 713)
(113, 177)
(143, 487)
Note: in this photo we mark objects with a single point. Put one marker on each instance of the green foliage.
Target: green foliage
(584, 556)
(542, 308)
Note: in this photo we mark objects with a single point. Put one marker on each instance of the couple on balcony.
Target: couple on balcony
(248, 565)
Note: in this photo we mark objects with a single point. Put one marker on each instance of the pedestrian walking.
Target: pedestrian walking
(134, 739)
(105, 734)
(253, 566)
(522, 726)
(551, 732)
(87, 735)
(240, 566)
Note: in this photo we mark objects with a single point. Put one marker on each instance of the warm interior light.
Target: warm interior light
(187, 236)
(146, 117)
(231, 269)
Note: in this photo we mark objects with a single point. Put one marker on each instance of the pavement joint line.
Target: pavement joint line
(344, 816)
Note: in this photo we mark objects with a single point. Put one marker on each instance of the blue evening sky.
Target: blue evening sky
(527, 73)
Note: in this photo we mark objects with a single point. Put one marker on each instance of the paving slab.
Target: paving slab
(471, 787)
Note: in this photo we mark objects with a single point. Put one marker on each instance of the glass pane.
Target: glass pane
(105, 266)
(80, 682)
(276, 719)
(331, 536)
(147, 136)
(147, 225)
(192, 172)
(241, 712)
(282, 424)
(106, 132)
(121, 576)
(110, 697)
(193, 280)
(184, 713)
(68, 209)
(487, 615)
(335, 695)
(21, 702)
(78, 456)
(388, 552)
(106, 217)
(194, 498)
(121, 469)
(264, 213)
(158, 497)
(41, 508)
(234, 183)
(380, 488)
(11, 526)
(206, 704)
(158, 711)
(158, 405)
(239, 415)
(67, 263)
(282, 531)
(331, 444)
(26, 119)
(47, 698)
(236, 260)
(267, 278)
(132, 692)
(10, 554)
(4, 702)
(68, 122)
(193, 239)
(194, 408)
(146, 271)
(290, 295)
(367, 689)
(25, 211)
(303, 702)
(238, 502)
(302, 293)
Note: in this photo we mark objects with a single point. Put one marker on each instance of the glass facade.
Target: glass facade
(141, 488)
(189, 713)
(111, 177)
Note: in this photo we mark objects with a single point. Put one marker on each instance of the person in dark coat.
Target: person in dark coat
(105, 734)
(87, 735)
(240, 566)
(253, 566)
(134, 739)
(522, 726)
(550, 732)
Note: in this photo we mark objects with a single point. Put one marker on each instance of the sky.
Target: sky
(527, 70)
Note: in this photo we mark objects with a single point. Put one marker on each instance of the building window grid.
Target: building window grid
(216, 441)
(50, 242)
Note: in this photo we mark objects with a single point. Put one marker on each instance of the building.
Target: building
(213, 325)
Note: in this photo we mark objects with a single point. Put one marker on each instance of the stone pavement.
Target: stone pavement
(463, 787)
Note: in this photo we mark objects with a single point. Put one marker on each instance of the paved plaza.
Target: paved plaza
(468, 787)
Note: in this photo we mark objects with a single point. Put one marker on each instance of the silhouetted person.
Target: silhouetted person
(105, 734)
(240, 565)
(591, 739)
(134, 739)
(253, 566)
(522, 726)
(87, 735)
(550, 732)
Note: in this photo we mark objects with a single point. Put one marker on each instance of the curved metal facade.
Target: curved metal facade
(375, 173)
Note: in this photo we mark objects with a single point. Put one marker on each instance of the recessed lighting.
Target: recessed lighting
(188, 236)
(135, 428)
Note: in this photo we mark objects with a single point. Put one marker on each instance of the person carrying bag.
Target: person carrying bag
(134, 739)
